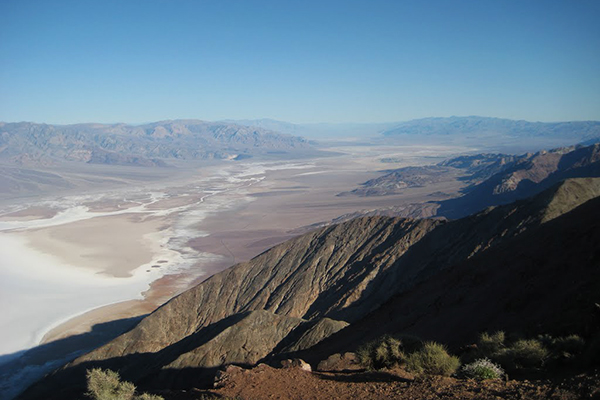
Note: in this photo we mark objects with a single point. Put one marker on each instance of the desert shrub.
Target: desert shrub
(432, 359)
(564, 346)
(522, 353)
(107, 385)
(384, 352)
(482, 369)
(147, 396)
(491, 345)
(410, 343)
(526, 353)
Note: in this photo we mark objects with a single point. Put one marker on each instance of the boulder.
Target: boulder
(296, 363)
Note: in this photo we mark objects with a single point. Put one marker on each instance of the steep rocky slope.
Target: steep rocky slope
(492, 179)
(546, 280)
(525, 177)
(298, 293)
(472, 168)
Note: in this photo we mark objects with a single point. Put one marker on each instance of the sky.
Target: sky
(304, 61)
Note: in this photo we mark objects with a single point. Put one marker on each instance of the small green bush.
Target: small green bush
(526, 353)
(384, 352)
(522, 353)
(432, 359)
(564, 346)
(482, 369)
(107, 385)
(493, 344)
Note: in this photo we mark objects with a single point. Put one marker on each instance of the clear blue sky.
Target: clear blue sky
(299, 61)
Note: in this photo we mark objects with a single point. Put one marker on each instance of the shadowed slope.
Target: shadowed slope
(543, 281)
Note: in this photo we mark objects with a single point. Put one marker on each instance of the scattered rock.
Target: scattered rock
(296, 363)
(224, 375)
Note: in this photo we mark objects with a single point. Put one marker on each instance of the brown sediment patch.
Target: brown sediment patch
(85, 322)
(30, 214)
(239, 246)
(113, 245)
(274, 193)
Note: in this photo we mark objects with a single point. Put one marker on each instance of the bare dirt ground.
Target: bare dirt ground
(264, 382)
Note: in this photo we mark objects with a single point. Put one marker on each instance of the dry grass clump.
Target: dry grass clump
(432, 359)
(544, 351)
(526, 353)
(418, 357)
(387, 351)
(107, 385)
(384, 352)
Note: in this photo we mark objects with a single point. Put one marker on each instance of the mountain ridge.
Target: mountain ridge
(470, 125)
(542, 282)
(526, 176)
(172, 139)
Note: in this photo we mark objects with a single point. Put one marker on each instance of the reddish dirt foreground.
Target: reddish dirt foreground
(264, 382)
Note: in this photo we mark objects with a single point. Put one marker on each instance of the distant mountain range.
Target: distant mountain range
(32, 145)
(319, 131)
(482, 127)
(152, 144)
(486, 130)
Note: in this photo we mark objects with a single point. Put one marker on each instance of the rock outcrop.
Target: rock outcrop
(527, 176)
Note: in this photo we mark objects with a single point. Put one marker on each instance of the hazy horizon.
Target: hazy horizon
(287, 122)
